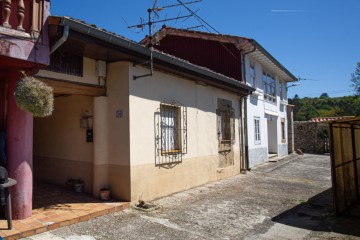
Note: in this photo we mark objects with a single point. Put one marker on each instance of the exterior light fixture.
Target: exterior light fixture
(293, 85)
(85, 120)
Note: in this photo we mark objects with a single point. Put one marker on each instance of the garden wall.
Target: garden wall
(311, 137)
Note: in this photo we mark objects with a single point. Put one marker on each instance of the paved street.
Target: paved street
(289, 199)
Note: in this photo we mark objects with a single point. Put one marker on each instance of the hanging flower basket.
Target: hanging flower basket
(32, 95)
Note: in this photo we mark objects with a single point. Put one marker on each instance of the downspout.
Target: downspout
(241, 132)
(61, 41)
(246, 167)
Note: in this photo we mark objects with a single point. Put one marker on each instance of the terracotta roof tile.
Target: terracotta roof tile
(329, 119)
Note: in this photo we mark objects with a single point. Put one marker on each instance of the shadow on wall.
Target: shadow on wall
(317, 215)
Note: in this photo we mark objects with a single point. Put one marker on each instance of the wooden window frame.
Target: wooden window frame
(257, 131)
(283, 130)
(225, 125)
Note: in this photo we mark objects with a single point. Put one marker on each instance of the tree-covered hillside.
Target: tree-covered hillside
(324, 106)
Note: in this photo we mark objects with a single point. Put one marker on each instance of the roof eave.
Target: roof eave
(242, 43)
(228, 83)
(290, 76)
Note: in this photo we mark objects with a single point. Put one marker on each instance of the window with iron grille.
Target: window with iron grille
(170, 130)
(67, 64)
(170, 134)
(269, 85)
(257, 130)
(225, 125)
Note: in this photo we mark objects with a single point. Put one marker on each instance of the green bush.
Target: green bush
(34, 96)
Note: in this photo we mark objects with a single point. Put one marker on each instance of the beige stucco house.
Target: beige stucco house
(143, 137)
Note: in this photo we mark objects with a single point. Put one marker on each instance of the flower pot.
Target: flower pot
(105, 195)
(79, 187)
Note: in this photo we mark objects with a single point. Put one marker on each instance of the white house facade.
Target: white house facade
(266, 116)
(246, 61)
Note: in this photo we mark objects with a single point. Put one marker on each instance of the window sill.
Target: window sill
(283, 102)
(270, 102)
(257, 143)
(171, 152)
(269, 99)
(257, 93)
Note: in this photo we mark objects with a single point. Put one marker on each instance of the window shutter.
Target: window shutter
(218, 124)
(232, 122)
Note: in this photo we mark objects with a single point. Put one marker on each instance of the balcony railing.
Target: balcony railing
(23, 16)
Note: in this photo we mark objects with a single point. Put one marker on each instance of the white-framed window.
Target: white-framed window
(252, 73)
(281, 93)
(257, 130)
(269, 85)
(170, 132)
(283, 132)
(173, 131)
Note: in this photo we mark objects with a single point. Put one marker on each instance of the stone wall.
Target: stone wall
(310, 136)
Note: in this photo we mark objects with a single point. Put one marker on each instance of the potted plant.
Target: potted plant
(105, 194)
(34, 96)
(79, 185)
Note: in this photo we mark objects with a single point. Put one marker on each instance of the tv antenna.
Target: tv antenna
(153, 19)
(307, 79)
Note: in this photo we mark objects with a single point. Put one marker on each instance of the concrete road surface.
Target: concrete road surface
(289, 199)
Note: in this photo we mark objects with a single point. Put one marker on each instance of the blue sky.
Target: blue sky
(314, 39)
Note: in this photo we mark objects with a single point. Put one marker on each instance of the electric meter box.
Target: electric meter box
(100, 68)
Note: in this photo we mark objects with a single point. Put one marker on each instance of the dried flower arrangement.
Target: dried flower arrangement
(34, 96)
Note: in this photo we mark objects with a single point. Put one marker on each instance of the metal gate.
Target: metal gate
(345, 162)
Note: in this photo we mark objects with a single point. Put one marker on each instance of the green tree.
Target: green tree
(324, 95)
(355, 79)
(307, 108)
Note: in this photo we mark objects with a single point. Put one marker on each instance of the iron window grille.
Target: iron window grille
(170, 134)
(67, 64)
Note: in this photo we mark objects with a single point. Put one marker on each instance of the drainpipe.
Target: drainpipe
(241, 132)
(245, 107)
(61, 41)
